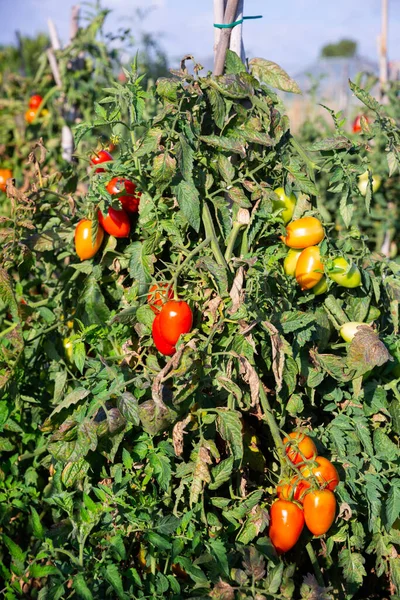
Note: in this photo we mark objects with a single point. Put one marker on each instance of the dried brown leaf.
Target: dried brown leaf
(177, 435)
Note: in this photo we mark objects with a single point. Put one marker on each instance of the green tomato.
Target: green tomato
(349, 330)
(363, 183)
(321, 287)
(68, 349)
(290, 262)
(344, 273)
(287, 203)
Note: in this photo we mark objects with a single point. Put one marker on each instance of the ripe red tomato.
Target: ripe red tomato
(293, 490)
(159, 293)
(83, 239)
(130, 202)
(159, 342)
(175, 318)
(4, 175)
(286, 524)
(30, 115)
(35, 101)
(116, 222)
(309, 268)
(319, 511)
(304, 232)
(303, 445)
(324, 471)
(100, 157)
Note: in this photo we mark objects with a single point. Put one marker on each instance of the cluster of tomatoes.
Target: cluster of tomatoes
(173, 318)
(303, 260)
(116, 222)
(306, 498)
(34, 109)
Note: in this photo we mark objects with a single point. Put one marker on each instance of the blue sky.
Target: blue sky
(291, 32)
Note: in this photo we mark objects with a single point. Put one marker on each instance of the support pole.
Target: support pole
(382, 47)
(225, 36)
(236, 43)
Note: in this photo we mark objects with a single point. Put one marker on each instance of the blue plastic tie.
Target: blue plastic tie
(239, 22)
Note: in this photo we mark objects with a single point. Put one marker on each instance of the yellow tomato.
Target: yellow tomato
(309, 268)
(303, 233)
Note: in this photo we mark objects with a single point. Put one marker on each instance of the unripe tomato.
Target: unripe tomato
(287, 203)
(344, 273)
(4, 175)
(176, 318)
(363, 183)
(30, 115)
(304, 232)
(68, 349)
(35, 101)
(302, 445)
(286, 524)
(162, 346)
(83, 239)
(100, 157)
(116, 222)
(324, 471)
(293, 490)
(158, 294)
(349, 330)
(321, 287)
(309, 268)
(319, 511)
(290, 262)
(131, 201)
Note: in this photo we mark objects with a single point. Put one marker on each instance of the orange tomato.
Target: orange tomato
(293, 490)
(304, 232)
(83, 239)
(158, 294)
(116, 222)
(176, 318)
(324, 471)
(319, 511)
(309, 268)
(286, 524)
(302, 446)
(30, 115)
(4, 175)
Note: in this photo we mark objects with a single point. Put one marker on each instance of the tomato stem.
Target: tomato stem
(236, 227)
(189, 257)
(210, 232)
(314, 562)
(274, 429)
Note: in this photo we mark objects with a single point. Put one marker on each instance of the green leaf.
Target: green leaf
(74, 471)
(229, 427)
(272, 74)
(219, 552)
(72, 398)
(128, 406)
(188, 199)
(112, 575)
(140, 265)
(79, 355)
(37, 527)
(339, 142)
(235, 86)
(167, 525)
(158, 541)
(164, 167)
(38, 571)
(17, 555)
(255, 524)
(352, 564)
(162, 469)
(167, 88)
(225, 168)
(385, 449)
(224, 143)
(184, 154)
(94, 303)
(80, 587)
(150, 143)
(221, 473)
(366, 98)
(233, 63)
(392, 504)
(218, 107)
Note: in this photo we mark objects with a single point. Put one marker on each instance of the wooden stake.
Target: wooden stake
(54, 39)
(382, 48)
(225, 36)
(219, 12)
(74, 22)
(236, 42)
(54, 67)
